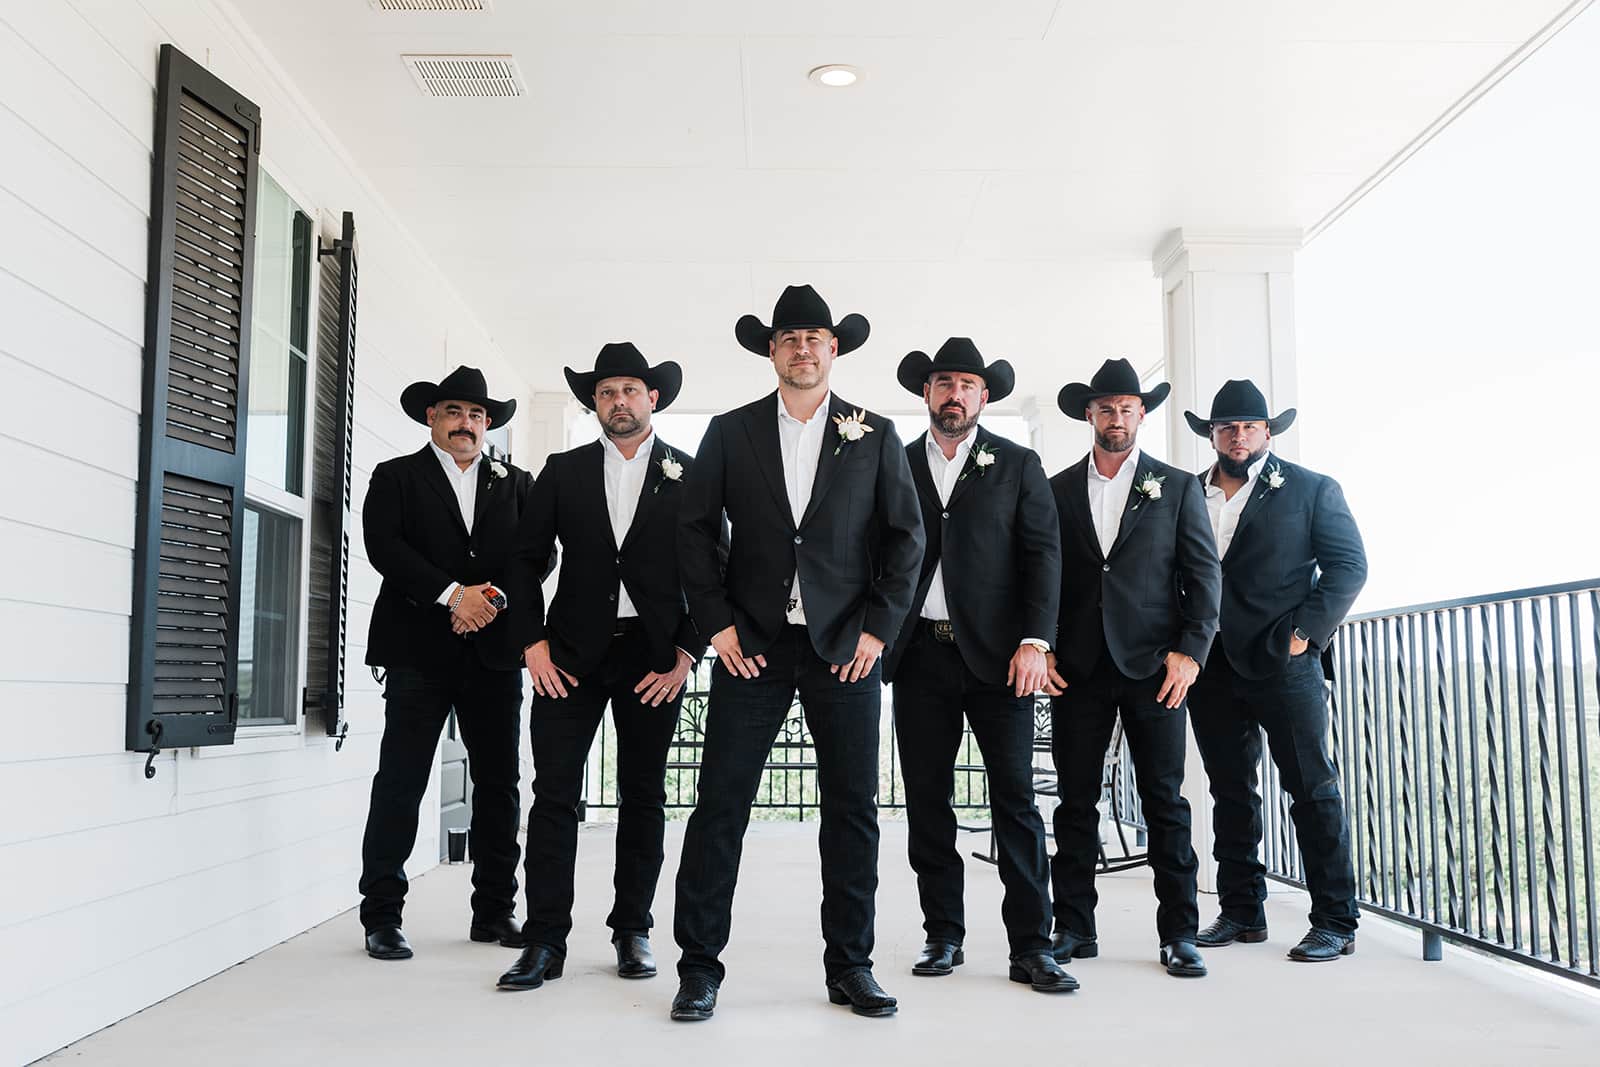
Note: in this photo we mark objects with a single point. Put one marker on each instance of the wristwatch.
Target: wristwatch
(1302, 635)
(495, 597)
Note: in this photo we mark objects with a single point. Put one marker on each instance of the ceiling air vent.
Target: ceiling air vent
(431, 5)
(467, 77)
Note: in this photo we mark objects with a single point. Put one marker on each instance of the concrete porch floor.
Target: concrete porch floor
(317, 999)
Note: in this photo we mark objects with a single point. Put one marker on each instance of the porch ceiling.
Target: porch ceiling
(1003, 170)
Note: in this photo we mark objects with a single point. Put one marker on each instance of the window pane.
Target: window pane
(275, 449)
(269, 620)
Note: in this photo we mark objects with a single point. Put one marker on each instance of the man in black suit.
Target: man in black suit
(438, 526)
(1139, 588)
(823, 558)
(975, 642)
(1292, 565)
(617, 632)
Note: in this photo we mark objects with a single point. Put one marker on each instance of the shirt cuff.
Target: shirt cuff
(692, 657)
(443, 599)
(1037, 642)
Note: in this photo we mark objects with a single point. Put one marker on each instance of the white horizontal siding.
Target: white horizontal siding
(121, 890)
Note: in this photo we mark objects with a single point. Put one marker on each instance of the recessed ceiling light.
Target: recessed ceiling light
(834, 75)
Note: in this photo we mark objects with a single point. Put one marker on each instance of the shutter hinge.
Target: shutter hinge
(153, 727)
(344, 731)
(233, 708)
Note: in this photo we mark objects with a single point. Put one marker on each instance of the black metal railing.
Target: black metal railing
(788, 788)
(1461, 731)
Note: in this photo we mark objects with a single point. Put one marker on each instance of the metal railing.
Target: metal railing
(788, 787)
(1461, 732)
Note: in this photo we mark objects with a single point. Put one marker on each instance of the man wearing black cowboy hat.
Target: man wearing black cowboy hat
(819, 572)
(981, 621)
(1139, 588)
(438, 526)
(617, 632)
(1292, 565)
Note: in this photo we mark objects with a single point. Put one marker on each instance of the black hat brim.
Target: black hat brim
(1075, 398)
(755, 336)
(666, 378)
(418, 397)
(915, 369)
(1275, 425)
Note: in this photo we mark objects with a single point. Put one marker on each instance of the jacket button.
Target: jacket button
(472, 553)
(619, 561)
(613, 596)
(798, 539)
(1105, 566)
(944, 515)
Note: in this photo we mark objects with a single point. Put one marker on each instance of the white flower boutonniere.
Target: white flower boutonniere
(1273, 477)
(983, 458)
(671, 470)
(1148, 487)
(497, 468)
(852, 427)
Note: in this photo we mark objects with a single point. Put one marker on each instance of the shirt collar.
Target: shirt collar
(935, 452)
(1128, 466)
(822, 409)
(449, 461)
(613, 452)
(1251, 474)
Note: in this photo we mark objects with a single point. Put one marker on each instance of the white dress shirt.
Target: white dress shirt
(624, 482)
(464, 483)
(801, 445)
(1108, 498)
(945, 472)
(1224, 511)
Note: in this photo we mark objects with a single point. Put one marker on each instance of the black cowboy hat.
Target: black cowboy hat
(463, 383)
(1239, 401)
(621, 359)
(1116, 377)
(800, 308)
(959, 355)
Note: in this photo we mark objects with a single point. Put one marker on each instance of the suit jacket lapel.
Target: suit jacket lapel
(761, 426)
(920, 472)
(1137, 504)
(594, 487)
(1077, 502)
(1260, 494)
(433, 474)
(829, 458)
(650, 490)
(486, 485)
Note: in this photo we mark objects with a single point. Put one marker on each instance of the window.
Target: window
(269, 625)
(276, 432)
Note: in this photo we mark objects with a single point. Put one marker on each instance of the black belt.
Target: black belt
(940, 630)
(626, 626)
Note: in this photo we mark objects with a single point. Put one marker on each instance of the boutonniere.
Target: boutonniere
(671, 470)
(497, 470)
(983, 458)
(1148, 487)
(852, 428)
(1273, 479)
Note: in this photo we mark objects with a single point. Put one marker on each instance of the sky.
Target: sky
(1448, 344)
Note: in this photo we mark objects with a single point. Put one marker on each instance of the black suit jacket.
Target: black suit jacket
(1296, 560)
(1000, 542)
(569, 504)
(411, 523)
(1157, 590)
(857, 547)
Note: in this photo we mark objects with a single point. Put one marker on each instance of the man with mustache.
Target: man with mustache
(818, 574)
(438, 526)
(617, 633)
(1139, 590)
(981, 621)
(1292, 566)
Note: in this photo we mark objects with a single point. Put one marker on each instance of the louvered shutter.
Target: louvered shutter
(330, 481)
(182, 676)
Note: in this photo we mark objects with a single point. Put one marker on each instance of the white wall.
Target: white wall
(118, 891)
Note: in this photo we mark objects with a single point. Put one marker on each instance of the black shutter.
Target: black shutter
(330, 482)
(183, 661)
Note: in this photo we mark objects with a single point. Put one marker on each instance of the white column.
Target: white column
(540, 427)
(1228, 311)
